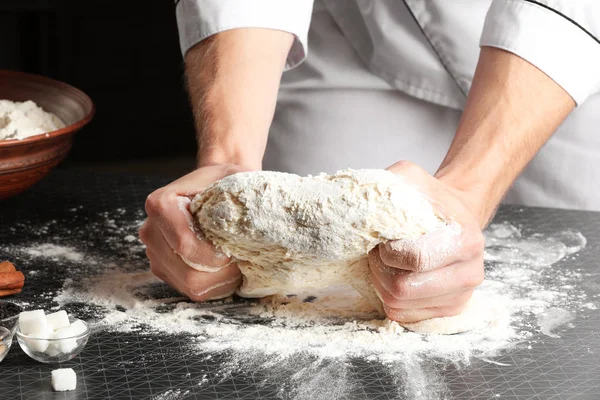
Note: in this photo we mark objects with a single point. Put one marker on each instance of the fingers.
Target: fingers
(157, 267)
(197, 285)
(210, 288)
(173, 219)
(428, 252)
(453, 307)
(397, 287)
(448, 245)
(444, 300)
(169, 208)
(173, 245)
(435, 274)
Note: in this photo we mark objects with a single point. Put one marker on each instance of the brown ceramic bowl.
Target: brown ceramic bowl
(24, 162)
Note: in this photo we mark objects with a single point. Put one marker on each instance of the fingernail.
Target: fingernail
(218, 285)
(219, 255)
(183, 203)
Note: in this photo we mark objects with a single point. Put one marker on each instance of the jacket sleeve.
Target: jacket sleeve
(560, 37)
(199, 19)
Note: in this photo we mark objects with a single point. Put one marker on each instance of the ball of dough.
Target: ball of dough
(290, 233)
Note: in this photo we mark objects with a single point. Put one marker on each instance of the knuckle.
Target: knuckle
(476, 245)
(410, 170)
(476, 278)
(232, 169)
(156, 203)
(184, 245)
(386, 298)
(144, 232)
(406, 166)
(400, 289)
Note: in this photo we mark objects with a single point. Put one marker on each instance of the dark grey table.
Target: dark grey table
(131, 366)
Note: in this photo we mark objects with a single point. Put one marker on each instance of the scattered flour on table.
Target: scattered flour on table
(308, 345)
(552, 318)
(20, 120)
(54, 252)
(173, 394)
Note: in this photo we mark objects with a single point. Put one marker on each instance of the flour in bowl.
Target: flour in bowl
(20, 120)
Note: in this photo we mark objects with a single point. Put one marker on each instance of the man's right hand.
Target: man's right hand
(170, 239)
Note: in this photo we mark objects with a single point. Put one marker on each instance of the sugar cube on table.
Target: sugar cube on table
(64, 379)
(67, 344)
(32, 321)
(58, 320)
(36, 342)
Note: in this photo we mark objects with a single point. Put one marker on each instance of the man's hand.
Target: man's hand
(169, 237)
(511, 110)
(435, 275)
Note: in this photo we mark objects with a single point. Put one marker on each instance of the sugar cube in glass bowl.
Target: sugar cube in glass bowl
(40, 341)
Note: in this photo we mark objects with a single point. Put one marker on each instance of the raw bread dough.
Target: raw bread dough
(289, 233)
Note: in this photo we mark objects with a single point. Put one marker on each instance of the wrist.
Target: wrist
(480, 194)
(228, 155)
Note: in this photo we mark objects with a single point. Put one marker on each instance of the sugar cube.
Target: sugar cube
(66, 345)
(79, 327)
(32, 321)
(36, 343)
(52, 350)
(64, 379)
(58, 320)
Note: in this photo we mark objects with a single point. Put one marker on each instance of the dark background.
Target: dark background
(125, 55)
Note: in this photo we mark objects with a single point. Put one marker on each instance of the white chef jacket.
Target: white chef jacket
(560, 37)
(378, 67)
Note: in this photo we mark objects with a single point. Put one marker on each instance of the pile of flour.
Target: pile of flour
(308, 344)
(20, 120)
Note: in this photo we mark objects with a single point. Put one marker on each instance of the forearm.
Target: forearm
(512, 110)
(233, 78)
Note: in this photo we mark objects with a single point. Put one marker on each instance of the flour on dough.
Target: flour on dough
(289, 233)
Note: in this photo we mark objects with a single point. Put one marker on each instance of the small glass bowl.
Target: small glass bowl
(54, 350)
(6, 337)
(9, 315)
